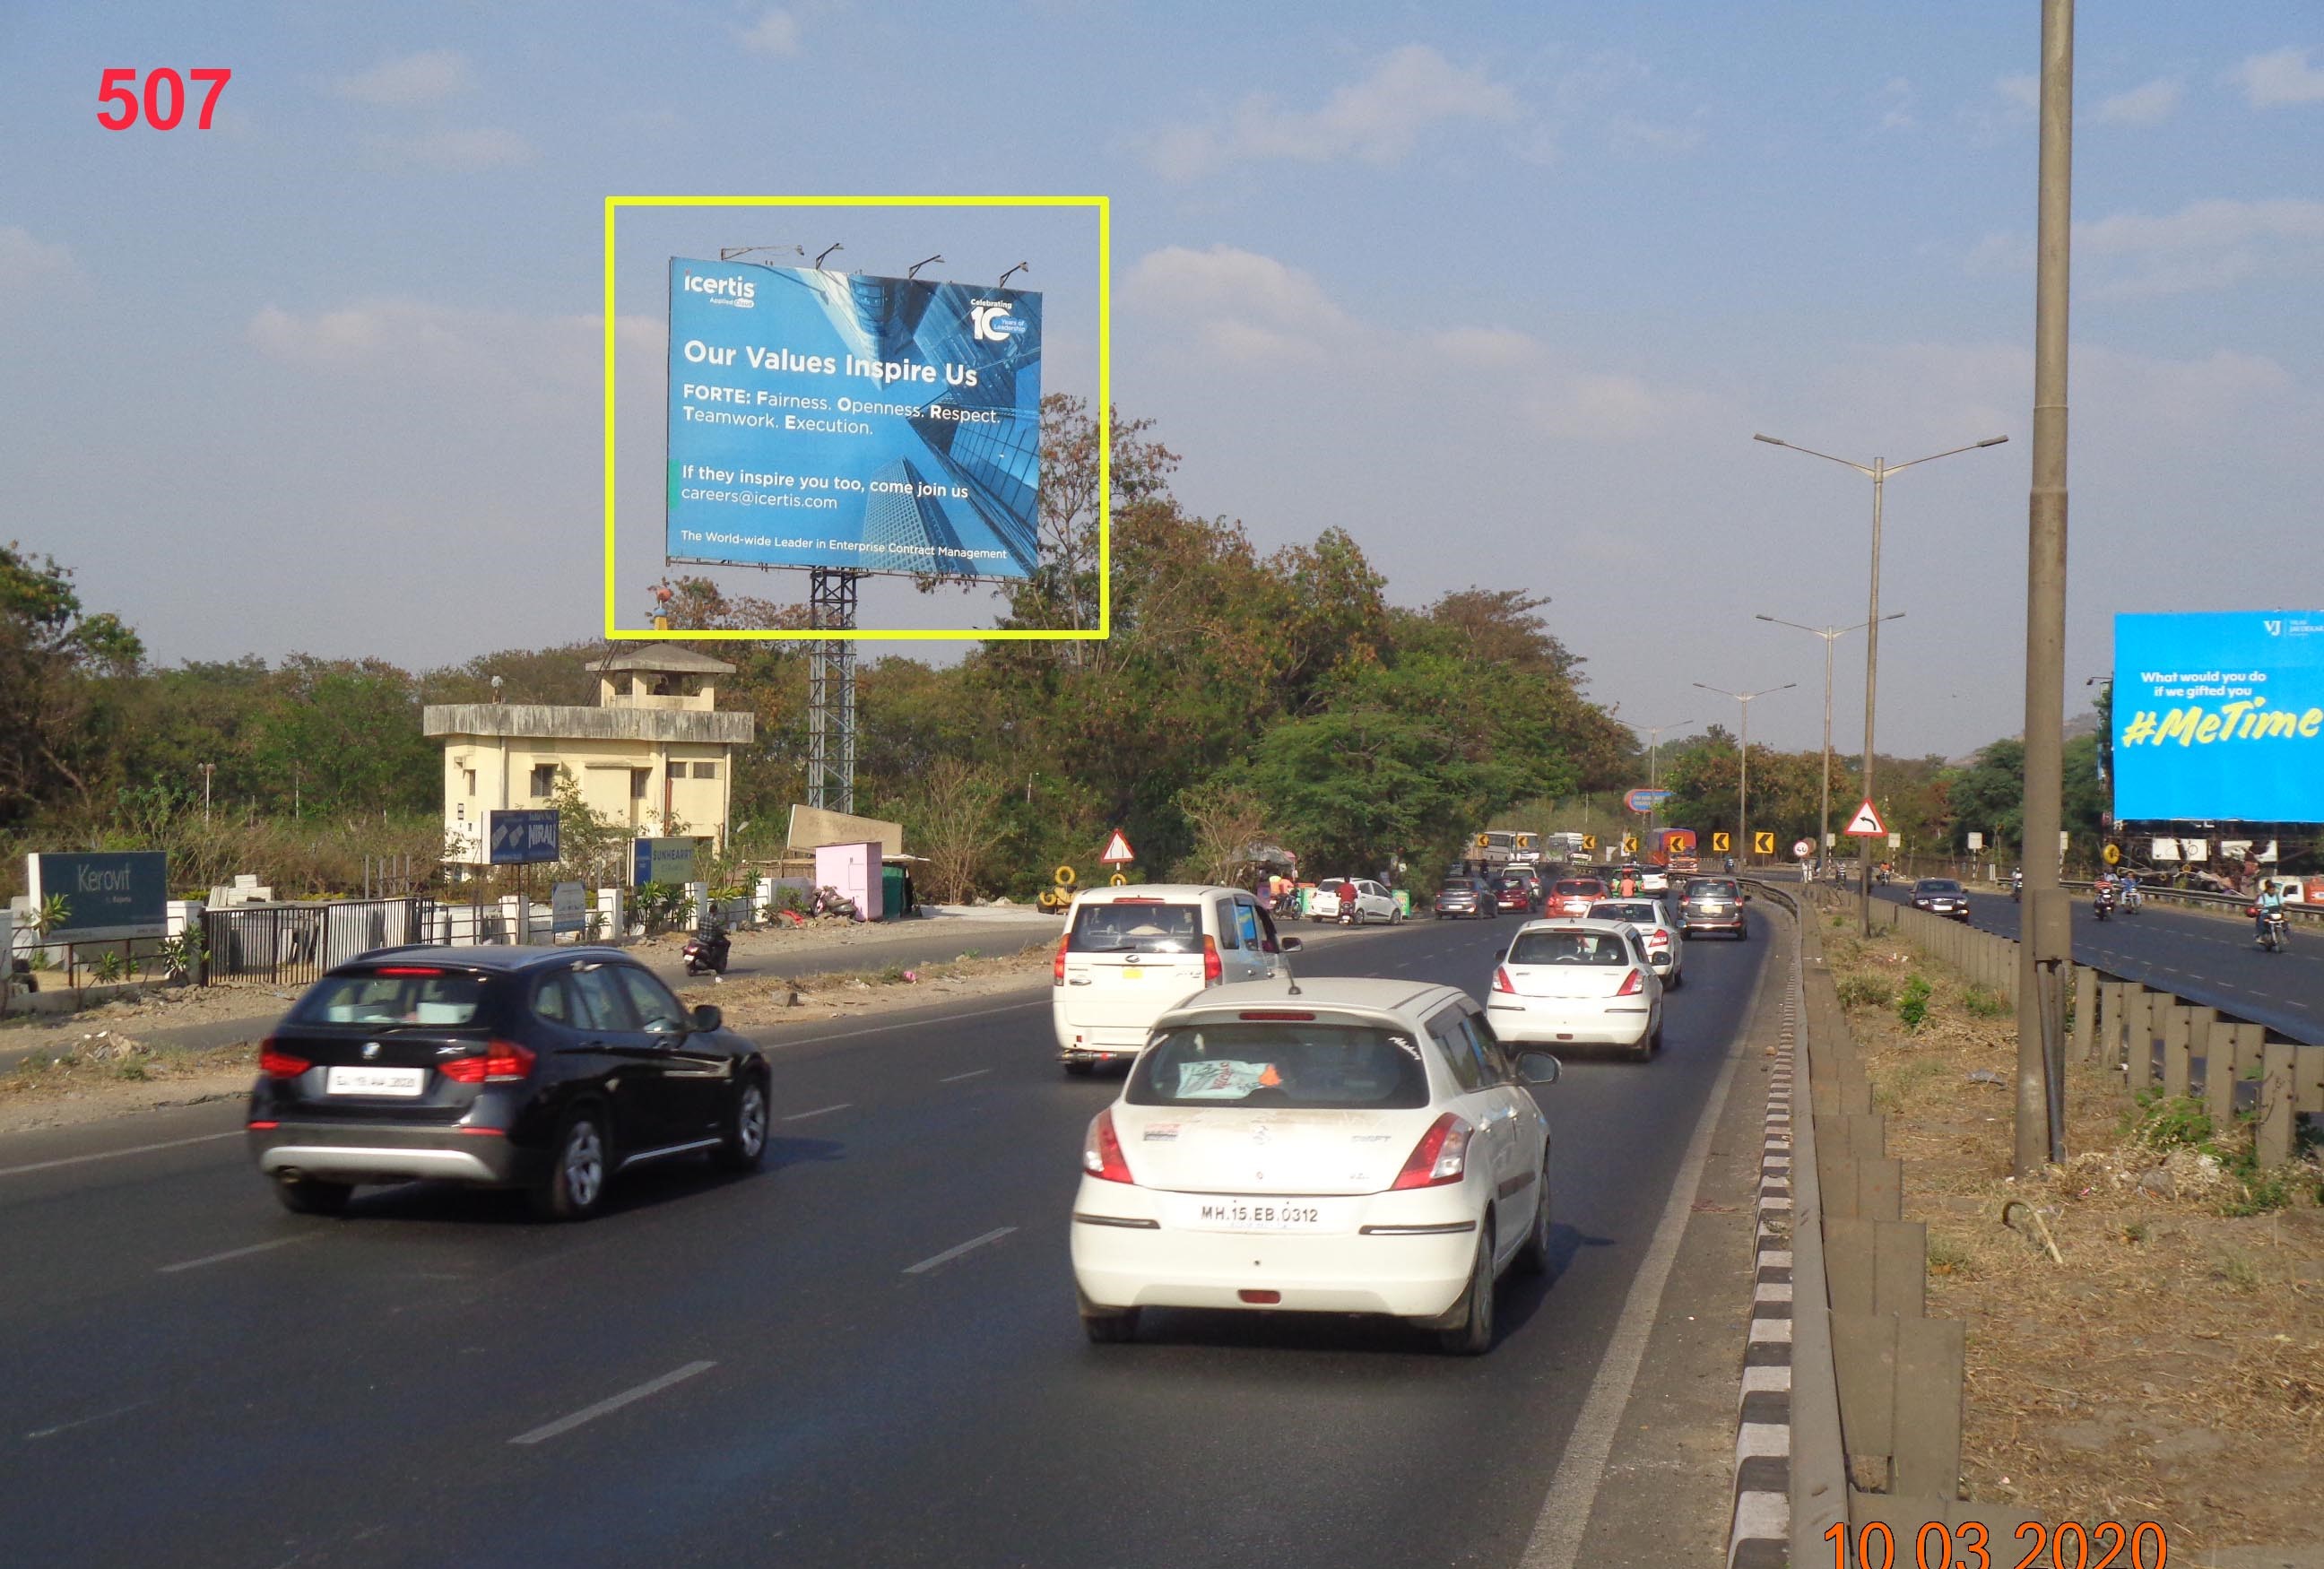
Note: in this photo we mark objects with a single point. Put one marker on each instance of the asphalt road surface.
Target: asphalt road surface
(866, 1354)
(2201, 957)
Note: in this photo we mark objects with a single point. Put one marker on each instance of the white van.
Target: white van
(1131, 954)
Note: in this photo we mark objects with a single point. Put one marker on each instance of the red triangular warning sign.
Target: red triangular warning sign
(1118, 852)
(1867, 823)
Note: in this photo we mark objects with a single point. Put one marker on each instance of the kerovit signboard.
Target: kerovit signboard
(830, 420)
(106, 894)
(2220, 716)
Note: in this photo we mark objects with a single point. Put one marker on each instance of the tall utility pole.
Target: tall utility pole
(2047, 950)
(207, 769)
(1743, 778)
(1830, 635)
(1877, 471)
(1654, 766)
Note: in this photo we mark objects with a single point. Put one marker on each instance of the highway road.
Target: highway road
(2201, 957)
(865, 1354)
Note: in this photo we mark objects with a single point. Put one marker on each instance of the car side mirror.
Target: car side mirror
(1290, 945)
(706, 1017)
(1537, 1067)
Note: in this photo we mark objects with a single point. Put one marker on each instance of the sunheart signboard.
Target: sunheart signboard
(107, 894)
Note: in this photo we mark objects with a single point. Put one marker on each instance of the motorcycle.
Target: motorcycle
(2017, 888)
(2131, 899)
(2103, 902)
(706, 950)
(2272, 928)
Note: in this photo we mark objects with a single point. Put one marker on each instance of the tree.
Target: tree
(1227, 820)
(57, 663)
(955, 818)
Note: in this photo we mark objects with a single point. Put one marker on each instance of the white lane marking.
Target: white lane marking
(774, 1040)
(955, 1078)
(818, 1111)
(85, 1421)
(949, 1254)
(591, 1413)
(236, 1254)
(1556, 1539)
(114, 1154)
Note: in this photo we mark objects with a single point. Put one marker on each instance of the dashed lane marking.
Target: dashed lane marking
(591, 1413)
(236, 1253)
(949, 1254)
(116, 1154)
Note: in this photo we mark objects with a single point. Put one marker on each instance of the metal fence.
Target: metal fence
(293, 943)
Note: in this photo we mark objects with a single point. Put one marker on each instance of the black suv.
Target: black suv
(549, 1069)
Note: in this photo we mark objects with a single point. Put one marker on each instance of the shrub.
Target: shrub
(1864, 991)
(1986, 1004)
(1913, 1006)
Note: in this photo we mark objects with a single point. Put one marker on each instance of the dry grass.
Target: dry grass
(2172, 1368)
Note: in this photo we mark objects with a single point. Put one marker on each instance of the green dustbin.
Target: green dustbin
(892, 893)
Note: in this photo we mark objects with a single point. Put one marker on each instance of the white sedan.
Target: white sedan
(1579, 981)
(1350, 1145)
(1666, 945)
(1373, 901)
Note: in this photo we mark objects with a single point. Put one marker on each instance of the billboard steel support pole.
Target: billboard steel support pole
(2042, 959)
(831, 691)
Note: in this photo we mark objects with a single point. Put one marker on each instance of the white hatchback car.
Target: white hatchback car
(1131, 952)
(1336, 1146)
(1579, 981)
(1373, 901)
(1666, 945)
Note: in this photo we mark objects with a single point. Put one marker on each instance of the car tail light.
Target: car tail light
(1212, 970)
(1101, 1151)
(1442, 1156)
(277, 1064)
(407, 970)
(262, 1125)
(503, 1062)
(1278, 1016)
(1633, 983)
(1501, 982)
(1057, 970)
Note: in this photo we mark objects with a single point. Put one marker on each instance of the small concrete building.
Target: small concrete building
(654, 754)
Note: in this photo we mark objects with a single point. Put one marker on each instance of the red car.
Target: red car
(1515, 893)
(1573, 896)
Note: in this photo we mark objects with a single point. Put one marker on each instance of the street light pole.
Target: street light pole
(1877, 471)
(2046, 953)
(1743, 777)
(1653, 764)
(1830, 635)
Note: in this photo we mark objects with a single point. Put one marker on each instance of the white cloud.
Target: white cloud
(2147, 104)
(2285, 77)
(776, 33)
(466, 152)
(1896, 101)
(27, 263)
(2010, 105)
(2205, 245)
(408, 79)
(1246, 305)
(387, 342)
(1598, 408)
(1378, 120)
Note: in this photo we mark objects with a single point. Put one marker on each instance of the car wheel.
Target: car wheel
(1081, 1067)
(1652, 1044)
(575, 1185)
(1475, 1336)
(1103, 1327)
(745, 1143)
(303, 1195)
(1533, 1257)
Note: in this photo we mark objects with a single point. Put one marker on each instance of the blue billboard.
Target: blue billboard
(524, 837)
(2220, 716)
(830, 420)
(119, 893)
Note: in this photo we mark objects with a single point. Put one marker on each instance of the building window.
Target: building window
(638, 777)
(705, 771)
(544, 780)
(471, 775)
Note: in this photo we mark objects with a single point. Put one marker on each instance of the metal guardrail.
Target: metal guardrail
(2199, 899)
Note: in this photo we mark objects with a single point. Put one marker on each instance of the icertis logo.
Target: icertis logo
(736, 291)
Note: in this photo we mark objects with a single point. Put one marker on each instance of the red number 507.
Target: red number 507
(165, 97)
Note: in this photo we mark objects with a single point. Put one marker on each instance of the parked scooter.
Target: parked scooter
(706, 950)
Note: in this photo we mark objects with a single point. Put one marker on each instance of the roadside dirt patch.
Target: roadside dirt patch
(2169, 1365)
(99, 1070)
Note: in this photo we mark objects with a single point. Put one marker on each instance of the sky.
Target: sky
(1504, 291)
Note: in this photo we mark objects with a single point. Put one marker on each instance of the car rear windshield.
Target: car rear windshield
(1290, 1065)
(1939, 885)
(1137, 926)
(1641, 910)
(1711, 891)
(1582, 885)
(389, 995)
(1460, 885)
(1568, 947)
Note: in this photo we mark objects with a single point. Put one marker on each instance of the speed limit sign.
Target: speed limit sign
(1801, 849)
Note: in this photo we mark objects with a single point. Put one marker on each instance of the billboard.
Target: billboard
(2220, 716)
(831, 419)
(106, 894)
(524, 838)
(669, 860)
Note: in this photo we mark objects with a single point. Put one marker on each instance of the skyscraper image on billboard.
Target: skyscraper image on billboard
(825, 418)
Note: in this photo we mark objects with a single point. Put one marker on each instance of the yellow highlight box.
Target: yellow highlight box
(1105, 628)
